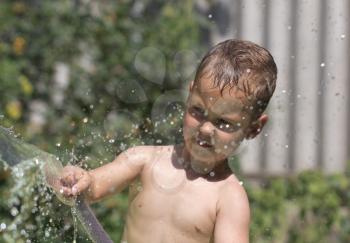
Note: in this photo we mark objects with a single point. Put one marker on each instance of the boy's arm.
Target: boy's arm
(115, 176)
(233, 215)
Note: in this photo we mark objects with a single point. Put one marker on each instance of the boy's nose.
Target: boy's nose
(207, 128)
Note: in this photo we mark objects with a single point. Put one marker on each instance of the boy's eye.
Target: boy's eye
(227, 126)
(197, 111)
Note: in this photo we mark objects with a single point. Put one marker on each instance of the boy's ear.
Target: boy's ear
(191, 85)
(256, 127)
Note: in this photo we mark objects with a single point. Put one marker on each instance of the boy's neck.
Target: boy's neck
(187, 162)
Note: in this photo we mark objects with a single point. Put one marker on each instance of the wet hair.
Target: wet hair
(243, 65)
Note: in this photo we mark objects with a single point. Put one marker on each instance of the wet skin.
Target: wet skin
(173, 203)
(183, 193)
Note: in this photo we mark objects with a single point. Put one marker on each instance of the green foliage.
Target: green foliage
(92, 113)
(310, 207)
(98, 43)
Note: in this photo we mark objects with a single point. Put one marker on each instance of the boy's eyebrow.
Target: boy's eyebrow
(232, 117)
(239, 120)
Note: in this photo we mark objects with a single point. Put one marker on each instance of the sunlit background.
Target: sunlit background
(85, 80)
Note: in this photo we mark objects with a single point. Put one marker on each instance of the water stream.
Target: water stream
(34, 212)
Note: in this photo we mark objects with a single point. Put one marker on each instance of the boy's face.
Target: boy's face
(215, 123)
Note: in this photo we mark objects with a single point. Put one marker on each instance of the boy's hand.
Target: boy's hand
(74, 181)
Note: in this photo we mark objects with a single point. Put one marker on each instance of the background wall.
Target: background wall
(310, 42)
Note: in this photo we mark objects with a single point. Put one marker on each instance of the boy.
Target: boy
(187, 193)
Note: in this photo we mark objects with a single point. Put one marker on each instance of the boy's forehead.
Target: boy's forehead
(229, 99)
(228, 94)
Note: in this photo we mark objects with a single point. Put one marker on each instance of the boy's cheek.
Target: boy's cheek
(190, 124)
(229, 145)
(189, 120)
(189, 133)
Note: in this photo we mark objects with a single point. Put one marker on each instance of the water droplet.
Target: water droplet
(342, 36)
(111, 140)
(322, 64)
(286, 146)
(289, 27)
(85, 120)
(210, 16)
(212, 173)
(122, 146)
(14, 211)
(139, 188)
(284, 91)
(58, 144)
(2, 226)
(248, 70)
(266, 135)
(241, 183)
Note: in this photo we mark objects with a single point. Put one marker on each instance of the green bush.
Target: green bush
(98, 43)
(310, 207)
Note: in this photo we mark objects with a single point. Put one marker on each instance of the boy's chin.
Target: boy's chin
(206, 158)
(201, 153)
(209, 154)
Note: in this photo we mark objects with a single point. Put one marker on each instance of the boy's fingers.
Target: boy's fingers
(68, 178)
(74, 180)
(80, 186)
(66, 191)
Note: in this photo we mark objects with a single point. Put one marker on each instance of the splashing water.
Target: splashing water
(34, 174)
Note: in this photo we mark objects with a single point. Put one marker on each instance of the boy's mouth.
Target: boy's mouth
(203, 143)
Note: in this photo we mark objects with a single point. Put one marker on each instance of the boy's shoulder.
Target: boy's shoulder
(232, 213)
(233, 193)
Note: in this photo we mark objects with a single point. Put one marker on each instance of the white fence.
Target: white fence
(310, 41)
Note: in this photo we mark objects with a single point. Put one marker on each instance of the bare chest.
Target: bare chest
(190, 209)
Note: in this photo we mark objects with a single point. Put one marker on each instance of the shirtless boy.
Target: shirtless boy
(187, 193)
